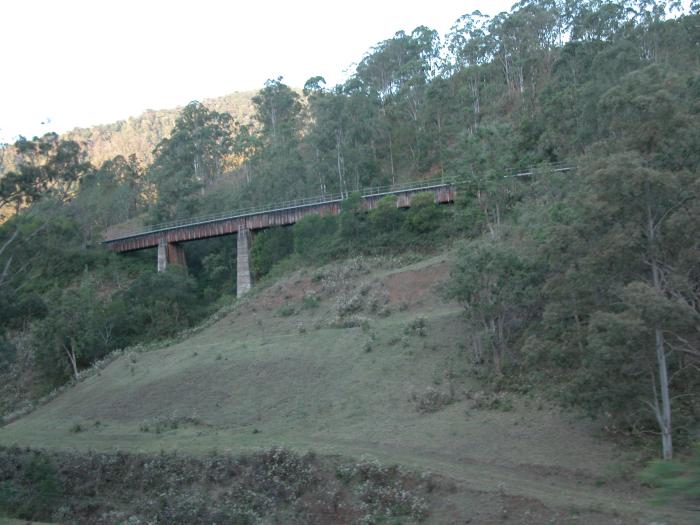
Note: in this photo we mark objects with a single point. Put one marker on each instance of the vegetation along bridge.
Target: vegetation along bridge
(168, 237)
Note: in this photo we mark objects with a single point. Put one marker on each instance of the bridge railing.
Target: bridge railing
(374, 191)
(286, 205)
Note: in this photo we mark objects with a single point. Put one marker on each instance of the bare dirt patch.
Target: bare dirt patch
(413, 286)
(293, 289)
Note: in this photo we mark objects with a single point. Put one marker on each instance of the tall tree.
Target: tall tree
(470, 47)
(495, 285)
(110, 195)
(190, 160)
(278, 111)
(621, 293)
(651, 198)
(278, 171)
(44, 166)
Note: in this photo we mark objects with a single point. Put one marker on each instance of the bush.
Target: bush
(432, 400)
(424, 215)
(286, 310)
(417, 326)
(271, 486)
(33, 491)
(157, 305)
(676, 480)
(8, 353)
(382, 491)
(353, 222)
(310, 301)
(270, 246)
(314, 236)
(386, 217)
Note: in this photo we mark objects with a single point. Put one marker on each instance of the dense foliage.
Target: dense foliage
(384, 230)
(275, 485)
(583, 280)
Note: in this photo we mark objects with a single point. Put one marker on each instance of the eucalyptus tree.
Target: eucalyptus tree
(524, 39)
(70, 337)
(245, 146)
(496, 286)
(397, 73)
(345, 135)
(658, 314)
(44, 166)
(278, 168)
(595, 19)
(470, 47)
(190, 160)
(46, 171)
(278, 112)
(111, 194)
(328, 137)
(647, 111)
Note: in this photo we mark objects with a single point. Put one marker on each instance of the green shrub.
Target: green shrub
(310, 301)
(432, 400)
(352, 228)
(270, 246)
(7, 353)
(424, 215)
(417, 326)
(314, 236)
(386, 217)
(33, 492)
(382, 492)
(286, 310)
(677, 480)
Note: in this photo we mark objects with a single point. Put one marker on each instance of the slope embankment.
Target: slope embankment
(364, 358)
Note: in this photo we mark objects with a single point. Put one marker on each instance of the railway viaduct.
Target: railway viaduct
(169, 237)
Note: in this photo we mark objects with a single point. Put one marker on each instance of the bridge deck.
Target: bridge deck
(278, 214)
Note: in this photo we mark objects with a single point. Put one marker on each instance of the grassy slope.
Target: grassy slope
(258, 378)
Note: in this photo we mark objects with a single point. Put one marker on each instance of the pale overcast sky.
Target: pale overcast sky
(89, 62)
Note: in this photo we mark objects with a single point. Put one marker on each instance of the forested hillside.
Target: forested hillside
(584, 284)
(141, 134)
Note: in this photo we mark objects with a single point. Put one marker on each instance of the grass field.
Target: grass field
(339, 361)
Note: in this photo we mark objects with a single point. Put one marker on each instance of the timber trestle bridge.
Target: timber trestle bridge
(168, 237)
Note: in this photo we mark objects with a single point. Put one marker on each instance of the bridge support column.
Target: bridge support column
(170, 253)
(162, 255)
(244, 279)
(176, 254)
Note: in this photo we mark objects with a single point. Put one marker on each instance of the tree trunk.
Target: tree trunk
(663, 413)
(474, 87)
(478, 344)
(391, 159)
(341, 164)
(521, 80)
(70, 352)
(439, 141)
(495, 345)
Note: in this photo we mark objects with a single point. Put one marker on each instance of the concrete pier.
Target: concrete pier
(162, 255)
(170, 253)
(244, 280)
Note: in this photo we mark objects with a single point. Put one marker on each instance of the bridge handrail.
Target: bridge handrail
(372, 191)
